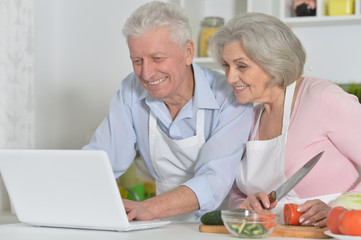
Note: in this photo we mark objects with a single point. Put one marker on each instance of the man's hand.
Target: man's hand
(181, 200)
(136, 211)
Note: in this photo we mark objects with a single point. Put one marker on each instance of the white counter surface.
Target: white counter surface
(173, 231)
(8, 217)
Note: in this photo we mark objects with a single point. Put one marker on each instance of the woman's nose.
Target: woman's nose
(231, 76)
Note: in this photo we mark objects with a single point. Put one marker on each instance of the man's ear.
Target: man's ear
(189, 52)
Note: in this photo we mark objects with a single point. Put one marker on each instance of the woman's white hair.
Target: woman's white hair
(156, 14)
(267, 41)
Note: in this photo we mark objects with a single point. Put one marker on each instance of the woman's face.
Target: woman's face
(249, 81)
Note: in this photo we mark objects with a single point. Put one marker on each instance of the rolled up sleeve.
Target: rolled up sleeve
(220, 157)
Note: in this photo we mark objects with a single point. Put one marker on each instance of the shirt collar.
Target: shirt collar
(203, 95)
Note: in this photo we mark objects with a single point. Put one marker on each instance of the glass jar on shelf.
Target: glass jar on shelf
(209, 26)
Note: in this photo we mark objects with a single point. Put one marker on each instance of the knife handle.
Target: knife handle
(272, 196)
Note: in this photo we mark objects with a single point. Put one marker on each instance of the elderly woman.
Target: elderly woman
(296, 117)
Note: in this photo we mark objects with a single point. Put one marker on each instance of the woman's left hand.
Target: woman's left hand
(314, 213)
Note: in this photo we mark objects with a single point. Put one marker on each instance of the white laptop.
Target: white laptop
(66, 188)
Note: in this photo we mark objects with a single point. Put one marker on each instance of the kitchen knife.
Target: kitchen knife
(287, 186)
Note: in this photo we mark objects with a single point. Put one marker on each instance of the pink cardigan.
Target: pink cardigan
(324, 118)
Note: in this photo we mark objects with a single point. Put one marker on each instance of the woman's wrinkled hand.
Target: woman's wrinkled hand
(257, 201)
(314, 213)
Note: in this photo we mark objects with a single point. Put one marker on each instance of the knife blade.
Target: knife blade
(287, 186)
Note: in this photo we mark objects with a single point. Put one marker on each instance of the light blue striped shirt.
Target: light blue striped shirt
(227, 126)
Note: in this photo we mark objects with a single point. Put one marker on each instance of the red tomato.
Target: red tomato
(350, 222)
(333, 219)
(291, 215)
(267, 220)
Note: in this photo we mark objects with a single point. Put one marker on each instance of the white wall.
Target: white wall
(333, 52)
(81, 58)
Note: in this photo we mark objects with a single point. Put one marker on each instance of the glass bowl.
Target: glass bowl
(249, 223)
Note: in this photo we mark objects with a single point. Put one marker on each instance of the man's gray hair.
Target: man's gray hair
(267, 41)
(154, 15)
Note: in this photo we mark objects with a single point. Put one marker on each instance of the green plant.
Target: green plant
(352, 88)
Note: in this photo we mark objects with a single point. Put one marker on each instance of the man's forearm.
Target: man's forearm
(179, 201)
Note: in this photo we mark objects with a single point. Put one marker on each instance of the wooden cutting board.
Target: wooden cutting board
(279, 231)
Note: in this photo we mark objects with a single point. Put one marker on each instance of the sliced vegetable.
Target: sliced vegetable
(267, 220)
(212, 218)
(248, 230)
(291, 215)
(333, 219)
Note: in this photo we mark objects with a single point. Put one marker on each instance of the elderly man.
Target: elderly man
(184, 119)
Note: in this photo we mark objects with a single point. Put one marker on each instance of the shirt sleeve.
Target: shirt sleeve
(341, 115)
(219, 159)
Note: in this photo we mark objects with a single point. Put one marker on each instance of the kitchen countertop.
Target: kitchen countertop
(173, 231)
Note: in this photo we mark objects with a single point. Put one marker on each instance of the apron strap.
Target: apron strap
(286, 111)
(287, 107)
(255, 128)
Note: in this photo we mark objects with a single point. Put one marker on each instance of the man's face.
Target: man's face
(159, 63)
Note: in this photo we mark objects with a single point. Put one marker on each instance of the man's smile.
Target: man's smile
(157, 81)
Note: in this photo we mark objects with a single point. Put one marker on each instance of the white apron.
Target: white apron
(174, 160)
(262, 167)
